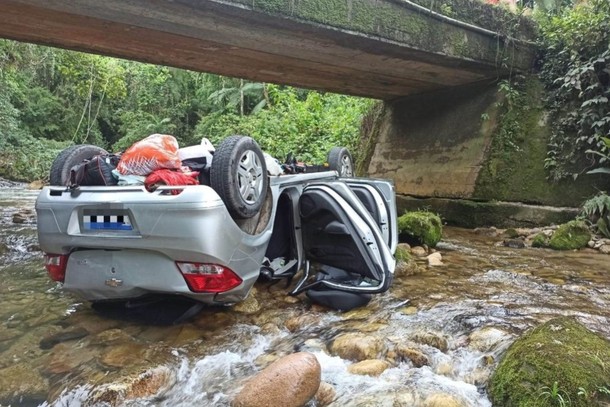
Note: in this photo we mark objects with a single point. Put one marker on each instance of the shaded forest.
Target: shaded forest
(52, 98)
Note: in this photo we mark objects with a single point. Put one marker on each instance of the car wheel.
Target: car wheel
(340, 160)
(68, 158)
(239, 175)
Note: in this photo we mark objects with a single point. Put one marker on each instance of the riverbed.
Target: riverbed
(55, 350)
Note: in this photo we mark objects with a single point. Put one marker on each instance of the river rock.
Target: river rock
(38, 184)
(20, 218)
(370, 367)
(435, 259)
(68, 335)
(559, 351)
(489, 232)
(299, 322)
(487, 339)
(288, 382)
(433, 339)
(569, 236)
(514, 243)
(152, 383)
(419, 251)
(123, 355)
(442, 400)
(249, 306)
(605, 249)
(325, 395)
(20, 380)
(355, 346)
(417, 357)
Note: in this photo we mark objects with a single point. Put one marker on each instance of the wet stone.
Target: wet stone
(249, 306)
(123, 355)
(288, 382)
(110, 336)
(325, 395)
(300, 322)
(605, 249)
(69, 335)
(487, 339)
(357, 347)
(419, 251)
(417, 357)
(442, 400)
(371, 367)
(514, 243)
(153, 382)
(431, 339)
(435, 259)
(20, 380)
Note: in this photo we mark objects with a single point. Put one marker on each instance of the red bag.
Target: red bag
(169, 177)
(155, 152)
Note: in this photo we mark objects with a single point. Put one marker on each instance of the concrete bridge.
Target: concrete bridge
(376, 48)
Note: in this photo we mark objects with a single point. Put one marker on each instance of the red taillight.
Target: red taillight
(208, 278)
(56, 266)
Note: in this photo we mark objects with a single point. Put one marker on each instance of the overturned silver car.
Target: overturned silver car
(211, 243)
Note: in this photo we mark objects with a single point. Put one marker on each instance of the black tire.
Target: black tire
(68, 158)
(340, 160)
(239, 175)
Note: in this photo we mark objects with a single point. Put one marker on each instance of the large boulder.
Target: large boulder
(570, 236)
(291, 381)
(559, 359)
(420, 227)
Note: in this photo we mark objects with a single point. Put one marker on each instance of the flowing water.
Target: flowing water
(56, 351)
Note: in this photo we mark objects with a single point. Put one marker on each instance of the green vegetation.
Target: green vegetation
(402, 253)
(52, 98)
(570, 236)
(560, 363)
(597, 210)
(420, 227)
(576, 73)
(540, 240)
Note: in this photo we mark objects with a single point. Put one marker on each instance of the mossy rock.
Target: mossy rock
(420, 227)
(559, 358)
(402, 253)
(570, 236)
(540, 240)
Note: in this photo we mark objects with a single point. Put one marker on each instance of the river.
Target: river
(56, 351)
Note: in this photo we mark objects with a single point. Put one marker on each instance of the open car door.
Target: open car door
(348, 230)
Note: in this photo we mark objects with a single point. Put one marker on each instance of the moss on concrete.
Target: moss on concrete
(570, 236)
(421, 227)
(560, 351)
(514, 169)
(471, 214)
(398, 21)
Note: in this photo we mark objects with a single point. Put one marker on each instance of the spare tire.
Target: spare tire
(68, 158)
(340, 160)
(239, 175)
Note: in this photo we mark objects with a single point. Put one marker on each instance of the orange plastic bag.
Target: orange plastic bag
(155, 152)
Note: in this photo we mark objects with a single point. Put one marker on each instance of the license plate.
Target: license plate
(106, 222)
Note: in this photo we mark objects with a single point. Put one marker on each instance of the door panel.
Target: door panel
(339, 231)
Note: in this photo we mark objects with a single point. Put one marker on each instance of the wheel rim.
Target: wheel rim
(346, 166)
(250, 177)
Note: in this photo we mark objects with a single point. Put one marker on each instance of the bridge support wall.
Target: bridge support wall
(447, 150)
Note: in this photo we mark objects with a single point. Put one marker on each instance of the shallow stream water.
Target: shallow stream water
(56, 351)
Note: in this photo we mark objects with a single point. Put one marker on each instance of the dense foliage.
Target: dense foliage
(576, 71)
(52, 98)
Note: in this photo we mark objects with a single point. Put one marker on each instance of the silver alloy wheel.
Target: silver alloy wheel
(250, 177)
(346, 166)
